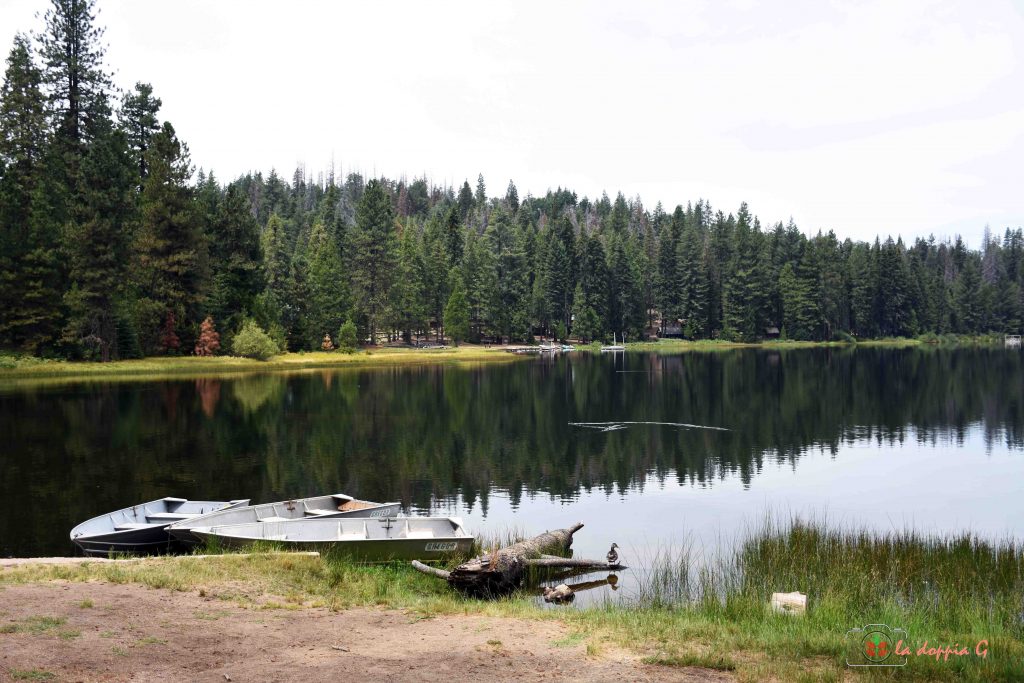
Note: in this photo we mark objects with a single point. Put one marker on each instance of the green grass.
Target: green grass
(930, 339)
(32, 675)
(151, 640)
(24, 367)
(38, 625)
(689, 610)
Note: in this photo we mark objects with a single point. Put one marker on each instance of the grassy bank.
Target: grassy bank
(16, 370)
(944, 590)
(186, 366)
(923, 341)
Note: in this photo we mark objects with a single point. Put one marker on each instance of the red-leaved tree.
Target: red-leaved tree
(209, 338)
(169, 341)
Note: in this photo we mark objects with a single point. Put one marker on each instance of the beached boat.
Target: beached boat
(337, 505)
(142, 527)
(367, 540)
(613, 347)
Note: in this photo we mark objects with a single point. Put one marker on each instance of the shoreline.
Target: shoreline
(187, 367)
(16, 371)
(714, 623)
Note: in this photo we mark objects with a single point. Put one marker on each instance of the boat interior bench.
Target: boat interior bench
(131, 525)
(171, 516)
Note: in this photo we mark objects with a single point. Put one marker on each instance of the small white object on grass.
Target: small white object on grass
(789, 603)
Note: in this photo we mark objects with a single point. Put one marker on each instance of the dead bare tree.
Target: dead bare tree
(504, 570)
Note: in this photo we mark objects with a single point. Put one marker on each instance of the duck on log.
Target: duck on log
(502, 571)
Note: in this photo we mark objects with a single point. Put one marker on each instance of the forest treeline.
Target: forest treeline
(113, 246)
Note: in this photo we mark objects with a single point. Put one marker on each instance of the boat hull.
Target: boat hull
(295, 509)
(142, 528)
(379, 540)
(369, 551)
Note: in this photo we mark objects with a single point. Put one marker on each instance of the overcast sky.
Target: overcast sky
(862, 117)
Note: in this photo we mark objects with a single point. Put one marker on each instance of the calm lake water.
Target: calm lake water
(884, 438)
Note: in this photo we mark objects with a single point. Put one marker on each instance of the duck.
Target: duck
(613, 555)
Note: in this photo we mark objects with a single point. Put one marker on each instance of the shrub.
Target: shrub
(252, 342)
(347, 339)
(845, 337)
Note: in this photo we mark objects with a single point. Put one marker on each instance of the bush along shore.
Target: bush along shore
(955, 602)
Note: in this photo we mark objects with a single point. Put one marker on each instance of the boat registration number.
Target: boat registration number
(439, 547)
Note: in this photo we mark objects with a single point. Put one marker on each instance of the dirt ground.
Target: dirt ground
(115, 632)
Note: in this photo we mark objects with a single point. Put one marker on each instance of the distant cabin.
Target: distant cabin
(771, 332)
(670, 331)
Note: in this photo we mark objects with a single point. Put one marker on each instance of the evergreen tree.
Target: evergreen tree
(79, 86)
(409, 292)
(435, 271)
(139, 119)
(328, 287)
(744, 288)
(799, 310)
(478, 277)
(864, 276)
(966, 302)
(236, 262)
(593, 285)
(512, 197)
(29, 269)
(348, 338)
(454, 239)
(456, 312)
(480, 196)
(373, 255)
(170, 247)
(99, 259)
(557, 283)
(668, 280)
(509, 289)
(894, 314)
(625, 303)
(295, 308)
(586, 325)
(465, 204)
(693, 282)
(276, 258)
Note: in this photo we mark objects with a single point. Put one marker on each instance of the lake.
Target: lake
(885, 438)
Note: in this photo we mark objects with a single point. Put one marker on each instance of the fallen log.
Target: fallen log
(610, 580)
(572, 563)
(432, 571)
(503, 570)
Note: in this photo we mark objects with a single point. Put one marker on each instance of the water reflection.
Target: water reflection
(495, 442)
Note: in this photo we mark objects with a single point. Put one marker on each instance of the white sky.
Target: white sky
(864, 117)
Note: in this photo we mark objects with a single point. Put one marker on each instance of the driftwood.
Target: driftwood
(502, 571)
(566, 592)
